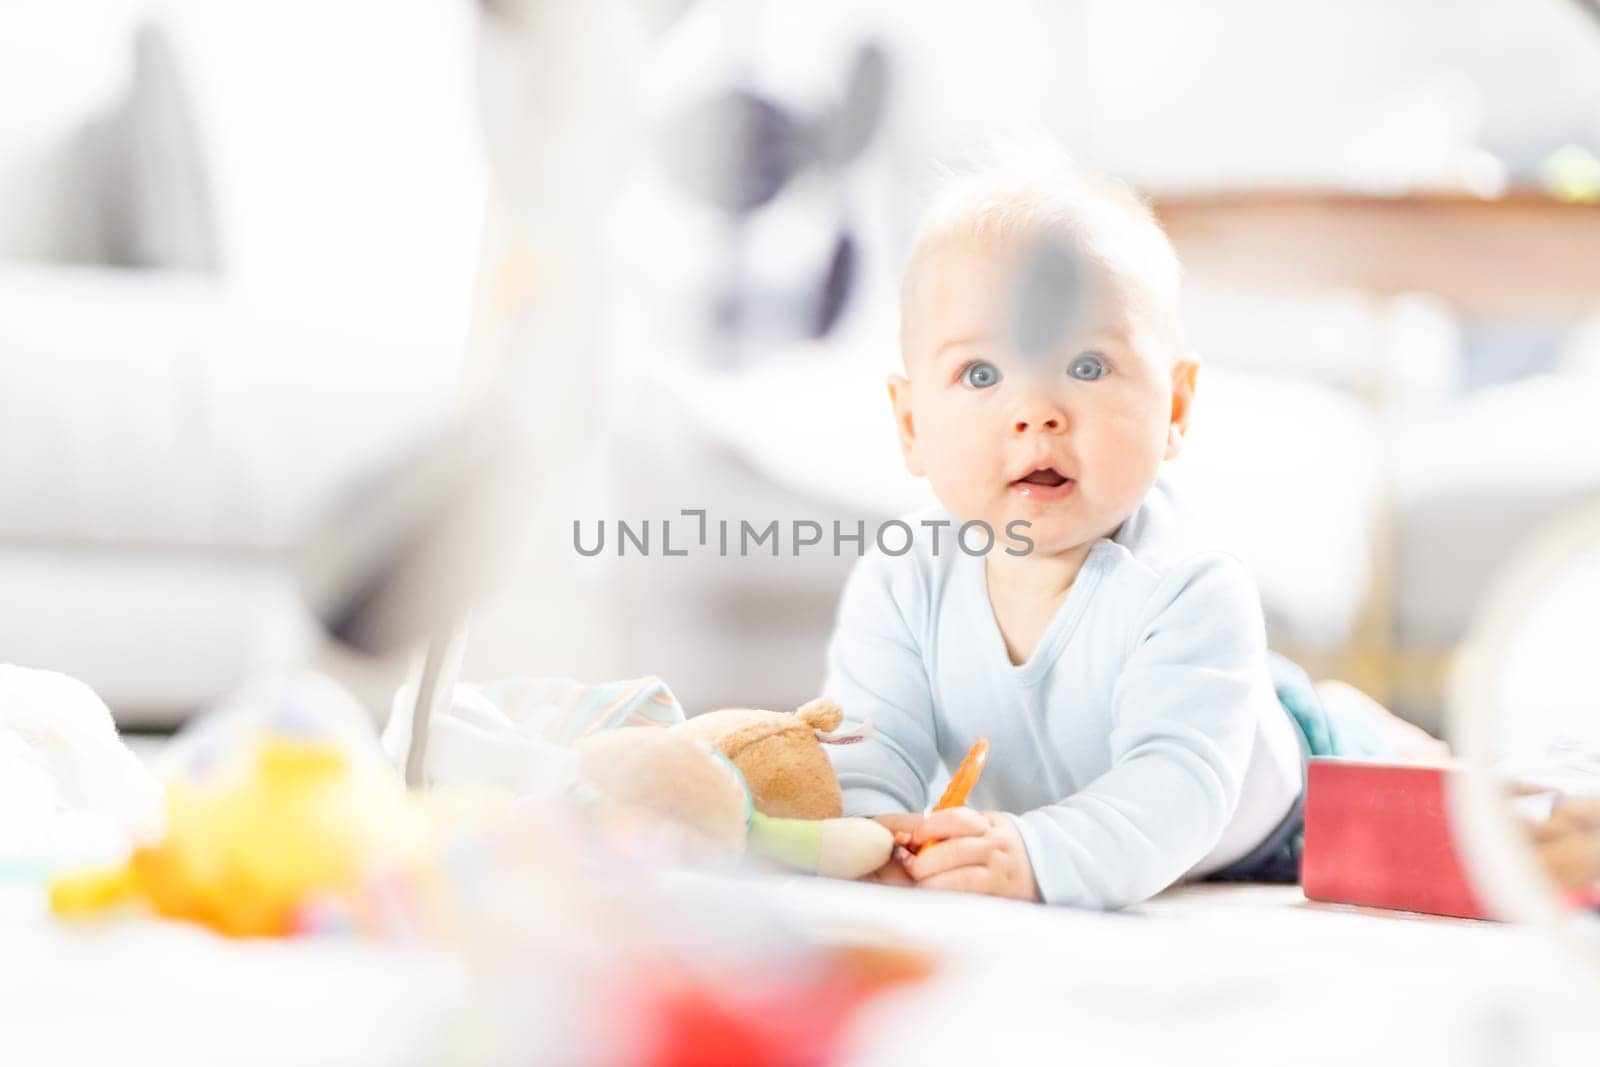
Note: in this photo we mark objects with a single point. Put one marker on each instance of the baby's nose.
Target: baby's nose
(1047, 424)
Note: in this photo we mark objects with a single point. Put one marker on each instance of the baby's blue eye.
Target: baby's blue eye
(981, 374)
(1088, 367)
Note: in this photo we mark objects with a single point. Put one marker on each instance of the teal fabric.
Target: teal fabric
(1277, 859)
(1324, 735)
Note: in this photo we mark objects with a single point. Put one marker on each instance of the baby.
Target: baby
(1115, 658)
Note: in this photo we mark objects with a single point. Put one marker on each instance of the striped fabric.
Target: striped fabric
(563, 710)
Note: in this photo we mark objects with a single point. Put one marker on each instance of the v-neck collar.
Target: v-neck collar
(1068, 613)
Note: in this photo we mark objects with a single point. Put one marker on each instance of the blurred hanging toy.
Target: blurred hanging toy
(736, 150)
(726, 782)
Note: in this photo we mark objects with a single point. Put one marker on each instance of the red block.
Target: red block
(1379, 834)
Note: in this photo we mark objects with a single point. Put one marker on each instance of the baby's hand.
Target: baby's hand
(893, 872)
(976, 852)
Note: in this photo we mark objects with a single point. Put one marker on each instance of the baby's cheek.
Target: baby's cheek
(1126, 439)
(958, 489)
(958, 464)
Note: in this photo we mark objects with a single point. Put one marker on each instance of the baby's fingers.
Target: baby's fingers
(899, 824)
(951, 822)
(891, 873)
(967, 879)
(947, 855)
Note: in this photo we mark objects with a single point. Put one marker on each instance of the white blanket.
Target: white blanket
(70, 790)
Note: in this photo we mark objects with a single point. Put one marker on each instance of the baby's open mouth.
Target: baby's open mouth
(1047, 476)
(1044, 485)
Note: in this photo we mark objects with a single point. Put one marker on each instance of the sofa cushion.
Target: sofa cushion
(154, 409)
(155, 634)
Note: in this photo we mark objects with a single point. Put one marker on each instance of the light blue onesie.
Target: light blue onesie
(1141, 743)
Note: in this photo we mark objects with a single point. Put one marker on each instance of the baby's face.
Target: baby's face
(1070, 441)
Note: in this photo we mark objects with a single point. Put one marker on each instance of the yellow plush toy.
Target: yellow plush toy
(247, 853)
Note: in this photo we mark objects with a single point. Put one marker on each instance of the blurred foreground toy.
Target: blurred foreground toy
(1380, 834)
(766, 1017)
(281, 817)
(287, 847)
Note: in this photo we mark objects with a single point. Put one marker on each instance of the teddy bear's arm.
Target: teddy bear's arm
(837, 848)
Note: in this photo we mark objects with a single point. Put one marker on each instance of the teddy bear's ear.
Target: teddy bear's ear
(825, 717)
(821, 714)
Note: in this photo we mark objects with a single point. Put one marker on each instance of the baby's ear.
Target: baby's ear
(904, 425)
(1184, 373)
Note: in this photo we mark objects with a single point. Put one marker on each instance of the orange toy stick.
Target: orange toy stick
(962, 781)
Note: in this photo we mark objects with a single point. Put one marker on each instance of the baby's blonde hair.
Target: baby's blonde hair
(1021, 191)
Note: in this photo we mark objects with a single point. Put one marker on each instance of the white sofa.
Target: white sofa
(235, 267)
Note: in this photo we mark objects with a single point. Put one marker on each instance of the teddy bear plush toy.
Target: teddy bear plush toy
(724, 783)
(742, 779)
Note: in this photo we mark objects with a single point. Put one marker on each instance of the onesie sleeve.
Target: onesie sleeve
(1184, 716)
(876, 673)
